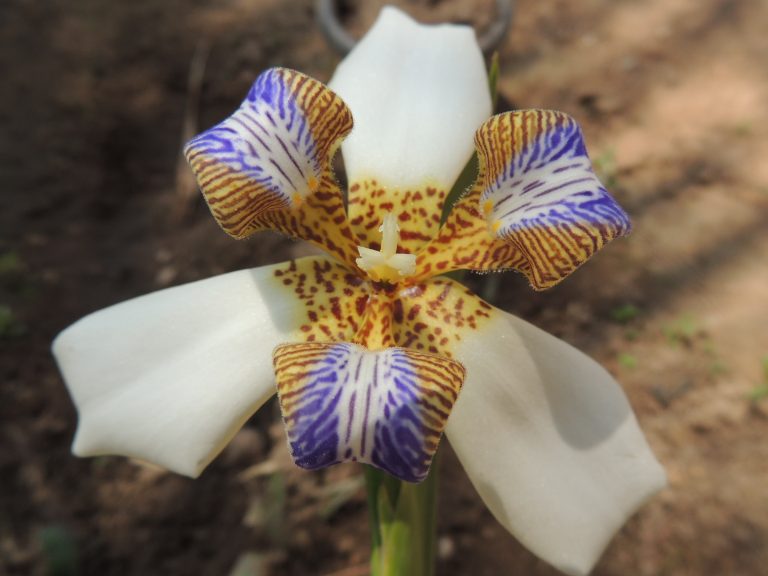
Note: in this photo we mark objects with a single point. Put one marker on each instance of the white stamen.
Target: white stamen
(390, 235)
(386, 264)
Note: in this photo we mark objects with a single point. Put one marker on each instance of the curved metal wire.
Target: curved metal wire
(341, 41)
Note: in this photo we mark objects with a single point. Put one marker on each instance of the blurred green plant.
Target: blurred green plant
(59, 551)
(275, 510)
(606, 168)
(625, 313)
(718, 368)
(628, 360)
(10, 263)
(745, 128)
(10, 327)
(760, 392)
(15, 277)
(682, 330)
(631, 334)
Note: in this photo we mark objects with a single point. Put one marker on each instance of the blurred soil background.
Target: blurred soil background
(95, 100)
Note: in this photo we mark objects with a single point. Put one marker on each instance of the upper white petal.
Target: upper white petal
(550, 442)
(417, 95)
(171, 376)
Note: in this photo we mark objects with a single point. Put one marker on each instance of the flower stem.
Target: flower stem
(402, 517)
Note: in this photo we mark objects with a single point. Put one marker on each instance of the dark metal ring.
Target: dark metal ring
(343, 42)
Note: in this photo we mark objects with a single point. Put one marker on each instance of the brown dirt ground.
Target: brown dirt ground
(673, 97)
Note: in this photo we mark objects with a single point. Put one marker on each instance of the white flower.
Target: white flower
(368, 347)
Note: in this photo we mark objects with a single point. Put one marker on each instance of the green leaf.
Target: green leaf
(493, 80)
(462, 185)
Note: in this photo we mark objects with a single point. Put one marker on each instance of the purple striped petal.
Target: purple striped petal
(272, 156)
(540, 194)
(342, 402)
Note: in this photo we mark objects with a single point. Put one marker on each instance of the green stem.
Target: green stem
(402, 517)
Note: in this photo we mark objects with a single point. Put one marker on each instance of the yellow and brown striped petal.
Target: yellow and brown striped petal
(537, 205)
(268, 165)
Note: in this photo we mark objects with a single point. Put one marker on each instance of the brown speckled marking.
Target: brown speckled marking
(331, 298)
(418, 213)
(465, 243)
(320, 219)
(340, 306)
(437, 314)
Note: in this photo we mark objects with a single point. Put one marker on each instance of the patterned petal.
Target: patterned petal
(342, 402)
(550, 442)
(268, 165)
(418, 93)
(537, 205)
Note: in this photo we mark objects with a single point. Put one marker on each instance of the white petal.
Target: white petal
(550, 443)
(171, 376)
(417, 95)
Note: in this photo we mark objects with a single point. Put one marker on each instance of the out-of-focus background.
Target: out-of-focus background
(95, 100)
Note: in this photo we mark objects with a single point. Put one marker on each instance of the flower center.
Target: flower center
(386, 265)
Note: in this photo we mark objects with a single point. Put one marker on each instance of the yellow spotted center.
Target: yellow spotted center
(386, 265)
